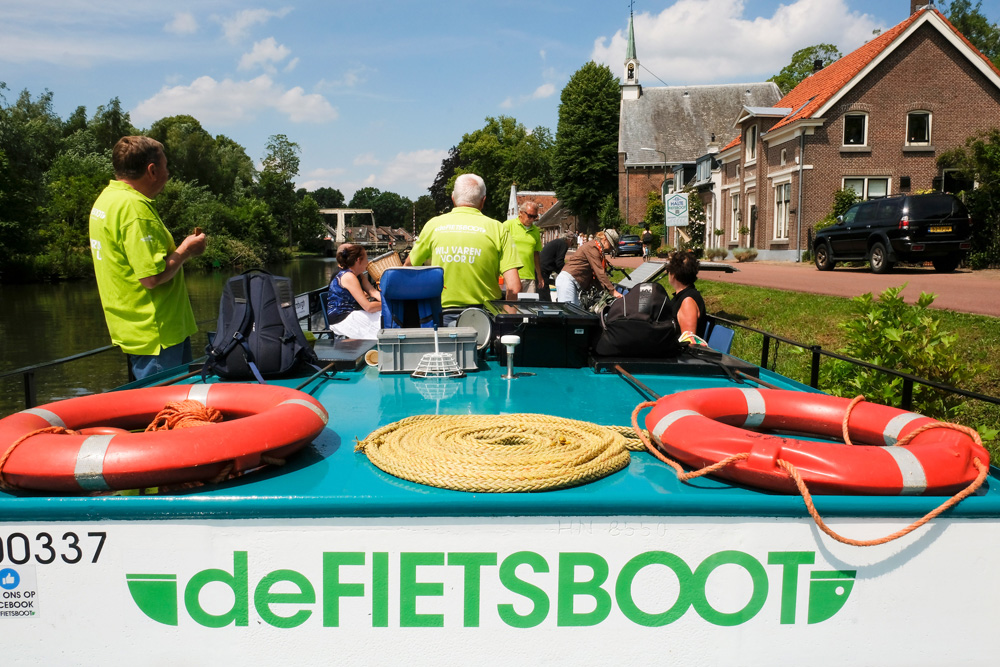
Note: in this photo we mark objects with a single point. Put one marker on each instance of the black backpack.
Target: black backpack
(640, 324)
(258, 333)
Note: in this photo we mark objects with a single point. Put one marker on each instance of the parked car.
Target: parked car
(903, 228)
(629, 244)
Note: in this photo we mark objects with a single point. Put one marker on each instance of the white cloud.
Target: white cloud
(366, 159)
(227, 102)
(183, 23)
(416, 168)
(710, 41)
(322, 178)
(291, 65)
(265, 54)
(543, 91)
(237, 26)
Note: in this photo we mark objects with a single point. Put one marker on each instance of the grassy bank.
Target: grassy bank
(813, 320)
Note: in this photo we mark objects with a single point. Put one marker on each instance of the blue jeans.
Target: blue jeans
(144, 365)
(567, 289)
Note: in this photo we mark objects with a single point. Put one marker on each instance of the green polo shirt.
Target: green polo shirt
(473, 250)
(128, 241)
(527, 241)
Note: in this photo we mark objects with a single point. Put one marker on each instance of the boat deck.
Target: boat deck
(328, 479)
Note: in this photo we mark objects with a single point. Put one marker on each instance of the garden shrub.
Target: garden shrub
(745, 254)
(888, 332)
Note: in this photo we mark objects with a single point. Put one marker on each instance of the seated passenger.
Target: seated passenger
(353, 306)
(682, 272)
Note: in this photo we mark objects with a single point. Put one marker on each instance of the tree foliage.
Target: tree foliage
(585, 160)
(440, 189)
(803, 64)
(978, 161)
(505, 153)
(971, 22)
(908, 338)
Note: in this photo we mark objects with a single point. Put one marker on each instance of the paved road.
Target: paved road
(962, 291)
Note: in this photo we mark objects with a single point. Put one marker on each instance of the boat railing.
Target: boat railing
(817, 353)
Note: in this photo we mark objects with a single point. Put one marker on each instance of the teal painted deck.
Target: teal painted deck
(328, 479)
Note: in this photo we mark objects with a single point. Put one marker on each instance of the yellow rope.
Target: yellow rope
(499, 453)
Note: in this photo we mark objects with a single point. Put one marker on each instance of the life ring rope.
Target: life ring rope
(803, 489)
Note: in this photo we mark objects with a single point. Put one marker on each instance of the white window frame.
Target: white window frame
(734, 209)
(864, 139)
(750, 137)
(784, 156)
(930, 127)
(782, 204)
(866, 187)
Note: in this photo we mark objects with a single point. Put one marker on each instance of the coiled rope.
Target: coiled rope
(174, 415)
(499, 453)
(800, 484)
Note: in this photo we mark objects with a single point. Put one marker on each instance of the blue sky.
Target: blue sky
(375, 93)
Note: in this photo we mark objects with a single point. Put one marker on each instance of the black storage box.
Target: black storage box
(556, 335)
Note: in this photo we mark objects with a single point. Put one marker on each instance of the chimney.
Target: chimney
(817, 65)
(917, 5)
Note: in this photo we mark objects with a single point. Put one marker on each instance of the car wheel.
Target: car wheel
(946, 264)
(823, 261)
(879, 259)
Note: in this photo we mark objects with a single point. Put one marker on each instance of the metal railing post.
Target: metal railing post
(814, 372)
(30, 390)
(907, 402)
(765, 351)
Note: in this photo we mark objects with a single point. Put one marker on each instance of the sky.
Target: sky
(375, 93)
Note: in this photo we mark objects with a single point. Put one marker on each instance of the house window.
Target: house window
(918, 128)
(782, 200)
(856, 129)
(734, 227)
(784, 156)
(751, 139)
(868, 187)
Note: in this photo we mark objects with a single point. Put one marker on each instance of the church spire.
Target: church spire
(631, 90)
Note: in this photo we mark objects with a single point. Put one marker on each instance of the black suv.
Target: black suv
(902, 228)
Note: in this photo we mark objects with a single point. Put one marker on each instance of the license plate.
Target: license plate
(936, 229)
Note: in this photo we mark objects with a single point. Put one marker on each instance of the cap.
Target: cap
(612, 236)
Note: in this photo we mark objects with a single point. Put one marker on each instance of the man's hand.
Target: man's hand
(193, 245)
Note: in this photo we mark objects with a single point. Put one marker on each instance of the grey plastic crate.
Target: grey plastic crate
(400, 350)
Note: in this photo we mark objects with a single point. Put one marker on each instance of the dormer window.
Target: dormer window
(918, 128)
(856, 129)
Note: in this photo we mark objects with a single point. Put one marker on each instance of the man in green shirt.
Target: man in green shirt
(473, 249)
(137, 264)
(527, 239)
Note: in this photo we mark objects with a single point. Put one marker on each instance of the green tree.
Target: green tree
(585, 159)
(802, 65)
(392, 210)
(978, 161)
(440, 189)
(609, 216)
(971, 22)
(30, 136)
(110, 123)
(423, 210)
(656, 212)
(504, 152)
(326, 197)
(190, 150)
(276, 182)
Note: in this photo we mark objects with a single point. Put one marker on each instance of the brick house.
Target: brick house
(664, 130)
(875, 121)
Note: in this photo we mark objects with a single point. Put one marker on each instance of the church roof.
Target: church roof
(680, 121)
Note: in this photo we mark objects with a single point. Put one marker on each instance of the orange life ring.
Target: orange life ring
(262, 420)
(704, 426)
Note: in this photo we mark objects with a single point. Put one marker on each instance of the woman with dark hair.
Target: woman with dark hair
(353, 306)
(682, 272)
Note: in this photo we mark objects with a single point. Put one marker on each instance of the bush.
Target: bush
(745, 254)
(890, 333)
(716, 253)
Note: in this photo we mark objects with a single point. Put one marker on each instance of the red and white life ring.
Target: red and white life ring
(260, 420)
(705, 426)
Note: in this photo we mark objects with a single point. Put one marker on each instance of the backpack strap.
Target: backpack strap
(234, 335)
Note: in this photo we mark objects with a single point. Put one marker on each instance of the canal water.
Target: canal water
(43, 322)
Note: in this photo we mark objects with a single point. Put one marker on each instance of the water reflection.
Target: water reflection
(43, 322)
